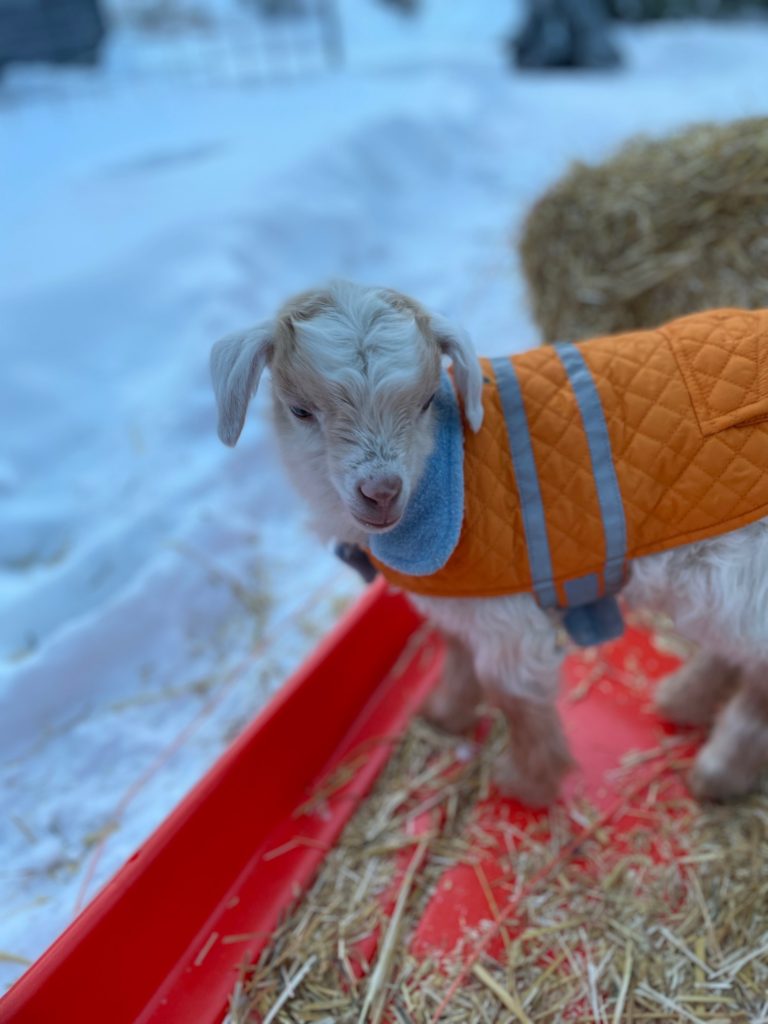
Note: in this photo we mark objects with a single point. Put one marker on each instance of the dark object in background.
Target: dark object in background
(565, 34)
(404, 6)
(646, 10)
(280, 8)
(53, 31)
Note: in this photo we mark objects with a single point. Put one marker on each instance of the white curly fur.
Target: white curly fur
(364, 362)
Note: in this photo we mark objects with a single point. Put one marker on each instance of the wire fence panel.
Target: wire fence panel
(236, 41)
(253, 39)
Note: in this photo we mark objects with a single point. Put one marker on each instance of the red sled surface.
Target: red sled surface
(164, 941)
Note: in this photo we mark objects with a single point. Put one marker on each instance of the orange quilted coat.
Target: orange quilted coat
(594, 454)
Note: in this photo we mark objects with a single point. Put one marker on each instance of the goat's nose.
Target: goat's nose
(381, 491)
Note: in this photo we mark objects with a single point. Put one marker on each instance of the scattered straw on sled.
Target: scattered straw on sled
(665, 922)
(664, 228)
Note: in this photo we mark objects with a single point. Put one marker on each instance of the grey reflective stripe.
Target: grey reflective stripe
(527, 480)
(582, 590)
(603, 469)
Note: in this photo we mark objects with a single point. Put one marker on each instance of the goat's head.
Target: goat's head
(354, 371)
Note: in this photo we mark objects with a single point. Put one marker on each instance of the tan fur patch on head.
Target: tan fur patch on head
(304, 306)
(315, 302)
(405, 304)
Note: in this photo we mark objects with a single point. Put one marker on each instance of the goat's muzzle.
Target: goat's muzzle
(379, 504)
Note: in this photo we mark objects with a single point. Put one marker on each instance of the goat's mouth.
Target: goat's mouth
(378, 526)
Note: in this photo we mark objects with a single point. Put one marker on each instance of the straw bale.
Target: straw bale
(663, 228)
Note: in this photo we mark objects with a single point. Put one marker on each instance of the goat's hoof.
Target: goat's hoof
(711, 780)
(539, 789)
(453, 724)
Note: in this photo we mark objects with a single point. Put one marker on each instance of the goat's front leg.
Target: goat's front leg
(538, 756)
(730, 762)
(453, 703)
(519, 672)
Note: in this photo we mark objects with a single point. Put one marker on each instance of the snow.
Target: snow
(155, 587)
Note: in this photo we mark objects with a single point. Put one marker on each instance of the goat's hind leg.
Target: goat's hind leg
(730, 762)
(697, 690)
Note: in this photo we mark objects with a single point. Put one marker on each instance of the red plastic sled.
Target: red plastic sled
(164, 940)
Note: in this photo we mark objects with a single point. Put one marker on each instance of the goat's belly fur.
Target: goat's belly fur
(671, 448)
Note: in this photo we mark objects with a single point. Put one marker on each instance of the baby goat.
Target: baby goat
(358, 392)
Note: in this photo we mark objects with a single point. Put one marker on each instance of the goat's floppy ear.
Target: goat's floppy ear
(237, 363)
(456, 344)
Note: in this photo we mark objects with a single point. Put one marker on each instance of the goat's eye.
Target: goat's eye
(299, 413)
(429, 402)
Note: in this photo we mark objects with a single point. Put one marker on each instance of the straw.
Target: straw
(666, 920)
(664, 228)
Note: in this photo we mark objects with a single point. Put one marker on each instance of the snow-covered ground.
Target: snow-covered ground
(155, 588)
